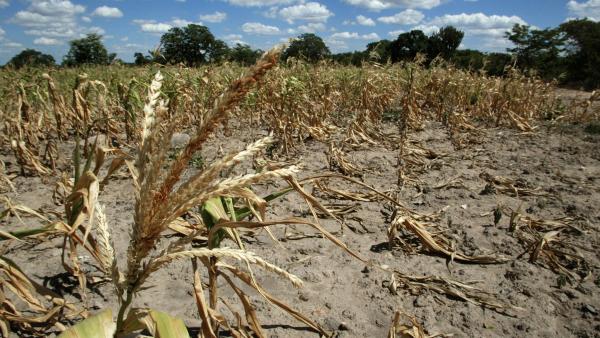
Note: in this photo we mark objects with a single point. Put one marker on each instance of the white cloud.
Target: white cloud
(395, 33)
(489, 30)
(363, 20)
(55, 7)
(260, 3)
(2, 32)
(311, 27)
(337, 45)
(354, 36)
(378, 5)
(54, 33)
(48, 13)
(214, 17)
(310, 11)
(158, 27)
(4, 3)
(12, 44)
(589, 9)
(52, 19)
(474, 24)
(477, 21)
(177, 22)
(153, 26)
(107, 12)
(86, 19)
(47, 41)
(370, 36)
(96, 30)
(259, 29)
(344, 35)
(234, 39)
(406, 17)
(427, 29)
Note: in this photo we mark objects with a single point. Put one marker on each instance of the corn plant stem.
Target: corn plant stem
(124, 305)
(212, 289)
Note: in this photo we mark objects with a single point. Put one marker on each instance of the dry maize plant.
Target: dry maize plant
(294, 107)
(556, 243)
(162, 197)
(45, 309)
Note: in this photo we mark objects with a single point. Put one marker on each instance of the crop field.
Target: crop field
(297, 200)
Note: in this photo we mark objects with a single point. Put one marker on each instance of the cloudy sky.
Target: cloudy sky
(345, 25)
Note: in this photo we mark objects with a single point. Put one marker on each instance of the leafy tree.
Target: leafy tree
(496, 63)
(538, 50)
(468, 59)
(445, 42)
(408, 45)
(355, 58)
(583, 52)
(31, 58)
(244, 55)
(112, 58)
(220, 51)
(140, 59)
(89, 50)
(307, 46)
(379, 51)
(192, 45)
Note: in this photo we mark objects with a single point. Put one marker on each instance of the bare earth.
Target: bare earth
(339, 292)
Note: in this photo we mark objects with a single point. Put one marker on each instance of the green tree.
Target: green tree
(444, 43)
(582, 52)
(192, 45)
(538, 50)
(31, 58)
(220, 51)
(140, 59)
(468, 59)
(379, 51)
(244, 55)
(89, 50)
(408, 45)
(497, 63)
(308, 47)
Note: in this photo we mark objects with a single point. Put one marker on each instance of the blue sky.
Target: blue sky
(345, 25)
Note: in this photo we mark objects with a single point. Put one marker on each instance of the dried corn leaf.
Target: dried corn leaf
(438, 244)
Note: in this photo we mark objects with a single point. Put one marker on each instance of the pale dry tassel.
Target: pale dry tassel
(106, 252)
(149, 113)
(219, 253)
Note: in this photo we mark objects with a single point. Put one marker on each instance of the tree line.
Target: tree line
(569, 53)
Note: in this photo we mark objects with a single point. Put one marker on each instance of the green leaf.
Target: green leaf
(99, 326)
(167, 326)
(212, 212)
(22, 233)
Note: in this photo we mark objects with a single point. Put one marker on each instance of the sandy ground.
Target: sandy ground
(345, 296)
